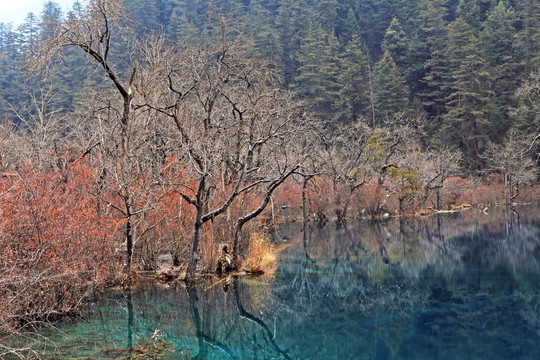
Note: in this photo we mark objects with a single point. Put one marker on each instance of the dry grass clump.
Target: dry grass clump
(262, 255)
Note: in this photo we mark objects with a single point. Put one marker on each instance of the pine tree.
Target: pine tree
(532, 33)
(395, 43)
(145, 15)
(293, 20)
(76, 10)
(474, 12)
(350, 27)
(466, 122)
(326, 15)
(236, 9)
(264, 32)
(189, 9)
(7, 84)
(385, 11)
(374, 17)
(29, 31)
(499, 48)
(11, 94)
(66, 78)
(391, 91)
(51, 15)
(164, 8)
(434, 33)
(354, 82)
(180, 29)
(13, 48)
(4, 31)
(317, 80)
(426, 28)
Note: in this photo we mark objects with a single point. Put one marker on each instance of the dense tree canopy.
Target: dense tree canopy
(328, 51)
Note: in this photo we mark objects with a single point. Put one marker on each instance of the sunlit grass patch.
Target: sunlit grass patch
(262, 255)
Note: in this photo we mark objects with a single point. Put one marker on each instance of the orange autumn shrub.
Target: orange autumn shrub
(54, 247)
(287, 201)
(529, 194)
(165, 230)
(166, 227)
(453, 191)
(490, 191)
(373, 196)
(320, 197)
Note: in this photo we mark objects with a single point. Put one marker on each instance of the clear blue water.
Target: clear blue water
(449, 286)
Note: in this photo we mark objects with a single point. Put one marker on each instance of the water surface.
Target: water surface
(449, 286)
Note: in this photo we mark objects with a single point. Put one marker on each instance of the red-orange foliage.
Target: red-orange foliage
(373, 196)
(530, 193)
(54, 246)
(327, 198)
(287, 201)
(320, 196)
(56, 243)
(454, 187)
(167, 228)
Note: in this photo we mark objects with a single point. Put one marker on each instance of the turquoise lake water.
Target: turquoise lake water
(448, 286)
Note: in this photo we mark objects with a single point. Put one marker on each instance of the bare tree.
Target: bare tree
(388, 146)
(313, 164)
(513, 164)
(529, 92)
(529, 95)
(232, 124)
(101, 30)
(41, 122)
(347, 153)
(437, 166)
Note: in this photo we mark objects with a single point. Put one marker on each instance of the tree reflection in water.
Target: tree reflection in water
(445, 286)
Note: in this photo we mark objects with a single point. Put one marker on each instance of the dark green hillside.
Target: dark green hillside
(453, 64)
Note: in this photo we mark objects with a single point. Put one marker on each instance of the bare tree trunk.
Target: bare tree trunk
(129, 243)
(477, 153)
(304, 212)
(342, 216)
(195, 242)
(509, 187)
(131, 320)
(192, 266)
(514, 196)
(304, 200)
(244, 219)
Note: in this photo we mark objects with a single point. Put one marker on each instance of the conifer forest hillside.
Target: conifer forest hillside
(455, 66)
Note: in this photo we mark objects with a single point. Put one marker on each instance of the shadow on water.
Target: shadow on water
(452, 286)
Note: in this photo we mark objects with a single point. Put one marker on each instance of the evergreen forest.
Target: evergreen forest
(453, 65)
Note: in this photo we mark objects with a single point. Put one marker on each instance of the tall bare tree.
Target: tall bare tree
(516, 167)
(347, 153)
(439, 165)
(528, 113)
(232, 123)
(101, 30)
